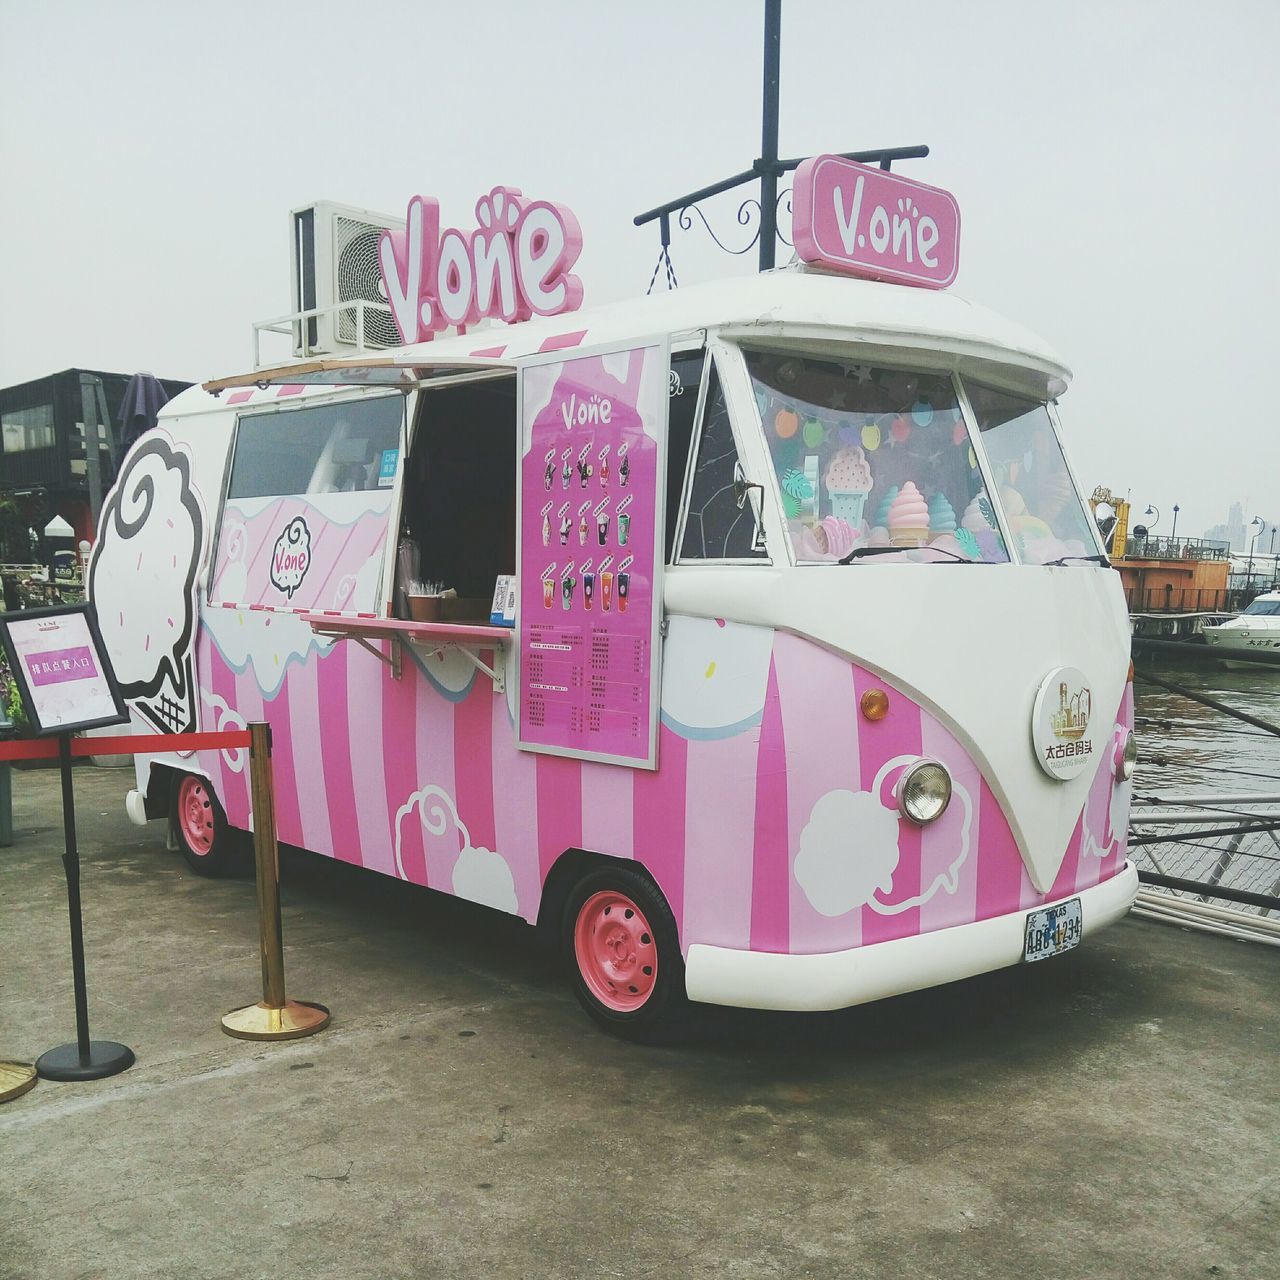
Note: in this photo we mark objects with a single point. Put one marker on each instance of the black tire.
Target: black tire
(209, 844)
(637, 1005)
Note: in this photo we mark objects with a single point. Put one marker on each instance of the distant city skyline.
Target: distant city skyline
(1239, 531)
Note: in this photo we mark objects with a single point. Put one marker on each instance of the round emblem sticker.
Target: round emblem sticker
(1062, 733)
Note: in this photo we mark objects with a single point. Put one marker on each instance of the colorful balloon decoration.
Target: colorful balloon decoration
(786, 423)
(958, 434)
(900, 432)
(871, 437)
(815, 433)
(922, 413)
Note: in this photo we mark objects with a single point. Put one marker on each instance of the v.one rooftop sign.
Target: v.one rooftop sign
(867, 222)
(514, 265)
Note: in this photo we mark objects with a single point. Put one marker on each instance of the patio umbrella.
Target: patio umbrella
(143, 399)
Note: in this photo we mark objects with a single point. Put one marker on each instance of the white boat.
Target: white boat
(1256, 630)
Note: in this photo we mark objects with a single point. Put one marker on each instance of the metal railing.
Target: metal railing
(294, 327)
(1211, 861)
(1171, 599)
(1157, 548)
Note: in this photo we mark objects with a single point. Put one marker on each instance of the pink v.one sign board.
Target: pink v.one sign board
(866, 222)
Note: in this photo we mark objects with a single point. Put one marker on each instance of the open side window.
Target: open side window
(458, 511)
(309, 500)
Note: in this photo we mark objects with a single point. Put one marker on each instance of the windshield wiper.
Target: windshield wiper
(1099, 559)
(858, 552)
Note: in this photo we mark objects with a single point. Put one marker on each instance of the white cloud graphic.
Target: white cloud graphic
(714, 675)
(268, 641)
(848, 851)
(479, 875)
(225, 718)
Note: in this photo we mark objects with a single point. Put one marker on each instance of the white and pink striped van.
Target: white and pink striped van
(817, 689)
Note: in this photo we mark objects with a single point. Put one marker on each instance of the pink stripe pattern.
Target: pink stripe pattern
(719, 824)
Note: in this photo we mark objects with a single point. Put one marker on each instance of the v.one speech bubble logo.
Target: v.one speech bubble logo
(292, 557)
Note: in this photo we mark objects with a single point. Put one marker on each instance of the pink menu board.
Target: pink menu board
(592, 473)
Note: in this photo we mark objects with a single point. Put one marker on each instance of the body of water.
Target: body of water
(1186, 747)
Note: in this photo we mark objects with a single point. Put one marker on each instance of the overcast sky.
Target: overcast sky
(1115, 165)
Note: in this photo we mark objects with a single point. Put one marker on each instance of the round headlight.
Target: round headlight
(1127, 757)
(924, 792)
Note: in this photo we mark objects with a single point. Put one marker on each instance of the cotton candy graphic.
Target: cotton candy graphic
(478, 874)
(291, 557)
(149, 544)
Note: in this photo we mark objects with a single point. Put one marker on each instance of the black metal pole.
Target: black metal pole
(71, 865)
(1265, 901)
(768, 162)
(86, 1059)
(1172, 687)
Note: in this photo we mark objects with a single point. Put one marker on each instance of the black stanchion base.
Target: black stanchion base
(106, 1058)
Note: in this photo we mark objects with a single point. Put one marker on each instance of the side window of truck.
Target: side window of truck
(682, 410)
(715, 526)
(308, 503)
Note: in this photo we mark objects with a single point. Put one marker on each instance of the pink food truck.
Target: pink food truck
(751, 640)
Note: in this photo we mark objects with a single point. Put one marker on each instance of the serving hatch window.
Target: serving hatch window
(347, 447)
(872, 461)
(309, 498)
(1043, 510)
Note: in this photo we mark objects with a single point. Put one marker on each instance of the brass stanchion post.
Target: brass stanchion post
(15, 1079)
(274, 1017)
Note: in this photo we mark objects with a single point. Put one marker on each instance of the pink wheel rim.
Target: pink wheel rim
(195, 815)
(616, 952)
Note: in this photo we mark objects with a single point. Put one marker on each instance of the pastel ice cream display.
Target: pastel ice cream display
(942, 515)
(828, 539)
(882, 511)
(977, 522)
(973, 518)
(848, 481)
(908, 517)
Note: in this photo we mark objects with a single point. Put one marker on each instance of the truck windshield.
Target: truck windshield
(872, 458)
(1044, 513)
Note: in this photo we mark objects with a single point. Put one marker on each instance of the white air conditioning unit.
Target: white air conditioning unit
(335, 262)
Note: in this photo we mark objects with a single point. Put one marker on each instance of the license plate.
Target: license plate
(1052, 930)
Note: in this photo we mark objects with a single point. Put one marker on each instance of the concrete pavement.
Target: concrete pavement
(1111, 1113)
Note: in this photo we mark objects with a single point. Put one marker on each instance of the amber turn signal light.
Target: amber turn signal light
(874, 704)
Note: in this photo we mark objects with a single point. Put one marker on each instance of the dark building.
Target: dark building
(43, 469)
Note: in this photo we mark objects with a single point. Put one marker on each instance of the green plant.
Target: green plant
(12, 699)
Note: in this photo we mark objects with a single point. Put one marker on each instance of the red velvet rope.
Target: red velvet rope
(125, 744)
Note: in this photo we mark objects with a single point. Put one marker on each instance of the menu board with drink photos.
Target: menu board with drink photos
(592, 470)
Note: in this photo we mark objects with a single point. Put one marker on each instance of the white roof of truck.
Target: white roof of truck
(793, 302)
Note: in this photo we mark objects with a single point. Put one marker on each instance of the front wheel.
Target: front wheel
(623, 954)
(206, 840)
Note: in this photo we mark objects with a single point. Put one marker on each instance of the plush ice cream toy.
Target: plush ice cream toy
(829, 539)
(882, 511)
(848, 481)
(973, 519)
(942, 515)
(908, 517)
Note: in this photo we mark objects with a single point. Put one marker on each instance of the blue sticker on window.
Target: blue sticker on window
(387, 471)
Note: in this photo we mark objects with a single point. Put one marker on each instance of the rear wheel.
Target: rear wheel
(621, 947)
(207, 842)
